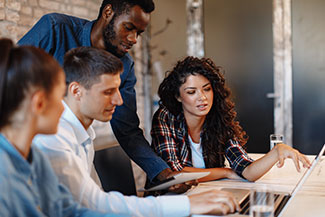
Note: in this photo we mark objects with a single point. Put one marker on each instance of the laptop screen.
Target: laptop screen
(304, 177)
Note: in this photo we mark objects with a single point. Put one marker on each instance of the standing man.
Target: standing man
(116, 30)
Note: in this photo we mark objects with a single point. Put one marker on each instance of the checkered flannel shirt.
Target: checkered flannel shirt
(170, 142)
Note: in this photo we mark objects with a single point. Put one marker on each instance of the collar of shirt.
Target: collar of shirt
(21, 164)
(81, 133)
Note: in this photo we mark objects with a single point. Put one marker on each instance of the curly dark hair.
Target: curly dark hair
(121, 6)
(220, 125)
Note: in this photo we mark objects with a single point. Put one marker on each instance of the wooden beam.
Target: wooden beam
(195, 34)
(282, 63)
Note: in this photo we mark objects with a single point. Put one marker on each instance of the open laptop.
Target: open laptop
(281, 201)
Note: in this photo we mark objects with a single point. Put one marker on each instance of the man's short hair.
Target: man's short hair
(86, 64)
(121, 6)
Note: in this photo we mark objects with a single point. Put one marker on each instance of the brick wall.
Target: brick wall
(18, 16)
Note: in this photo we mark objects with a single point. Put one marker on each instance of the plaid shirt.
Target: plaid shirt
(170, 141)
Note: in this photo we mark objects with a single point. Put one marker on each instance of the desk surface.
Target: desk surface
(310, 200)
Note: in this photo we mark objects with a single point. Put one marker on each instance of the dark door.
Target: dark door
(238, 36)
(308, 75)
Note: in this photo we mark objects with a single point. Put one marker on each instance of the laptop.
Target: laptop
(281, 201)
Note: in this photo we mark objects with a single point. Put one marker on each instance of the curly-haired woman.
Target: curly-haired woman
(195, 127)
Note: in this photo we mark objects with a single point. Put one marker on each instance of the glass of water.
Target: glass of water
(261, 202)
(275, 139)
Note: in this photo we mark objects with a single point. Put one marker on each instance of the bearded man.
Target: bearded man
(119, 24)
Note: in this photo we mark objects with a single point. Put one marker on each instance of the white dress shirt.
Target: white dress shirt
(71, 153)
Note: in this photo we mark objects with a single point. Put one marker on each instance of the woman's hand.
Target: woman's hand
(284, 151)
(276, 156)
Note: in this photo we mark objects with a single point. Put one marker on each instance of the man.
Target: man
(116, 29)
(92, 77)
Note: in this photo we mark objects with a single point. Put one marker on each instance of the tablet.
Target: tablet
(176, 179)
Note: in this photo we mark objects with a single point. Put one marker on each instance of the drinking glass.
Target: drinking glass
(261, 202)
(275, 139)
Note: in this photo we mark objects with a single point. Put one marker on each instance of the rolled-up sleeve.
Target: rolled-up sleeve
(237, 157)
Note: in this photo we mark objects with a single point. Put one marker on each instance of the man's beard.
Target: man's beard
(110, 35)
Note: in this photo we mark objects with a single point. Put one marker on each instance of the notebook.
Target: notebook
(281, 201)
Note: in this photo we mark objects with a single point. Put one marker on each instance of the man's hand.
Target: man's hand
(178, 188)
(183, 187)
(213, 202)
(165, 174)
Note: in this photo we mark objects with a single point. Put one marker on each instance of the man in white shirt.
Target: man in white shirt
(93, 80)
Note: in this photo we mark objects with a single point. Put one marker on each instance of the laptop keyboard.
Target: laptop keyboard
(279, 201)
(244, 206)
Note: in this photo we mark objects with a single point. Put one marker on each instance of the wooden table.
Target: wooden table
(310, 200)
